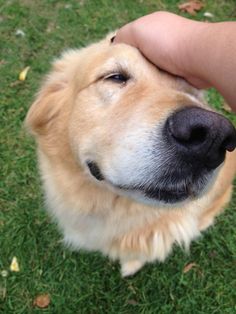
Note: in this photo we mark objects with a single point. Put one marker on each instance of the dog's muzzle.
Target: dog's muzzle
(194, 144)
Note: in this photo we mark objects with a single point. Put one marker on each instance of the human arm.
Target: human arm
(202, 53)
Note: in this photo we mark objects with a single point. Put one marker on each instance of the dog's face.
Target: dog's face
(129, 126)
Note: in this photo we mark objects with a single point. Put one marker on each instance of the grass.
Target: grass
(78, 282)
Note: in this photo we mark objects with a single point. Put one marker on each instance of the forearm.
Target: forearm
(211, 56)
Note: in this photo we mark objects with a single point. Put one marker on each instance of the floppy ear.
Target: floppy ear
(49, 101)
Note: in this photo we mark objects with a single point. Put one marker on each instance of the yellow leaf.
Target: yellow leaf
(14, 265)
(23, 74)
(226, 107)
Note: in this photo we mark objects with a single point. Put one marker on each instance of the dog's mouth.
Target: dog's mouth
(183, 190)
(164, 195)
(187, 188)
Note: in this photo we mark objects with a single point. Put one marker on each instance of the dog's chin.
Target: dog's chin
(155, 196)
(188, 189)
(164, 195)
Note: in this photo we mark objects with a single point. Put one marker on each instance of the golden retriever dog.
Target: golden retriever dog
(131, 158)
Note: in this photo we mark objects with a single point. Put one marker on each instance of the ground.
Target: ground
(32, 33)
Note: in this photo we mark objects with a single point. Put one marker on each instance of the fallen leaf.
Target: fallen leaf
(191, 7)
(2, 62)
(208, 14)
(51, 26)
(23, 74)
(212, 254)
(14, 265)
(20, 33)
(188, 267)
(4, 273)
(42, 301)
(131, 288)
(68, 6)
(226, 107)
(132, 302)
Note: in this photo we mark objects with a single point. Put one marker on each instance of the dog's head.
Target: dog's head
(109, 114)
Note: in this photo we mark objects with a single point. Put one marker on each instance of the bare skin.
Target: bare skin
(202, 53)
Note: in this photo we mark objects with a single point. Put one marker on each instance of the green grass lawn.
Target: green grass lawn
(80, 282)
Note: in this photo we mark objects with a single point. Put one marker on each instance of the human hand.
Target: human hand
(164, 38)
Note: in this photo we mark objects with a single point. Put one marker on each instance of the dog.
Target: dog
(132, 159)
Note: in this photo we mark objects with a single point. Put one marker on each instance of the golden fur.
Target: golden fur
(78, 115)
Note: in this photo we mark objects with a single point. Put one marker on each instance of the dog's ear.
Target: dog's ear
(52, 96)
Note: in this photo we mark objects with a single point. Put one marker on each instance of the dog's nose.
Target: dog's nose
(201, 136)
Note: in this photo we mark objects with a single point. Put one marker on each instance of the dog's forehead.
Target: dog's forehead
(99, 60)
(102, 59)
(121, 56)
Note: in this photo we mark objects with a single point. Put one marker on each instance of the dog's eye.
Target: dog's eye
(117, 78)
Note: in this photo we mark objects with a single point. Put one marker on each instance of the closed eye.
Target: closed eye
(119, 78)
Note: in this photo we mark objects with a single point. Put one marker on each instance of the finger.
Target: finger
(126, 35)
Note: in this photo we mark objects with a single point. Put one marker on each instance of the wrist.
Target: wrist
(194, 61)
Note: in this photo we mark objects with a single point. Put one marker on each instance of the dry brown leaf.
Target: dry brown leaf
(42, 301)
(188, 267)
(191, 7)
(212, 254)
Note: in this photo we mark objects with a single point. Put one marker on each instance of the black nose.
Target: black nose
(201, 136)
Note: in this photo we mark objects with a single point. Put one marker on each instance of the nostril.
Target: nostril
(195, 136)
(229, 143)
(187, 133)
(198, 135)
